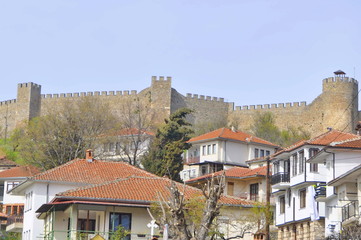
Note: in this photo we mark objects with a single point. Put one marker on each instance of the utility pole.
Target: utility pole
(268, 198)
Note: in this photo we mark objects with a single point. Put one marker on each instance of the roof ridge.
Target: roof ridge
(56, 168)
(345, 141)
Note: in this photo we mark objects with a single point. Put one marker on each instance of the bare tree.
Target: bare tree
(134, 132)
(184, 224)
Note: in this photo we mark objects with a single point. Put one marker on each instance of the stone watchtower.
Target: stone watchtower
(339, 102)
(161, 96)
(28, 102)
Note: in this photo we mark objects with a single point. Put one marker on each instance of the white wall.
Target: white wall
(41, 195)
(11, 199)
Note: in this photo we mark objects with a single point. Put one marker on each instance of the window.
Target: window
(256, 151)
(289, 196)
(230, 188)
(313, 166)
(303, 198)
(295, 164)
(28, 201)
(11, 185)
(204, 170)
(204, 150)
(282, 204)
(262, 153)
(214, 148)
(301, 161)
(123, 219)
(209, 150)
(268, 153)
(254, 192)
(276, 167)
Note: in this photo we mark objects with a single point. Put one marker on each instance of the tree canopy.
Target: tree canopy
(264, 126)
(165, 153)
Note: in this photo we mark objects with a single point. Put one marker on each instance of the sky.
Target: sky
(246, 51)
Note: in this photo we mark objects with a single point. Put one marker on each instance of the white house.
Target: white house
(98, 209)
(128, 145)
(43, 187)
(221, 149)
(342, 183)
(296, 182)
(13, 206)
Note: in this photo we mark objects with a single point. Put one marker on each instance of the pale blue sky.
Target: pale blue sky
(247, 51)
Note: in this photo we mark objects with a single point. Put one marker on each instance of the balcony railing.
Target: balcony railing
(350, 210)
(191, 160)
(281, 177)
(14, 219)
(320, 190)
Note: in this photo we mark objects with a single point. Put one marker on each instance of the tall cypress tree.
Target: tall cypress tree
(165, 154)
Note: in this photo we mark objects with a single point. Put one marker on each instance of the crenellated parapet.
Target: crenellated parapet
(96, 93)
(293, 105)
(8, 102)
(203, 97)
(29, 84)
(339, 79)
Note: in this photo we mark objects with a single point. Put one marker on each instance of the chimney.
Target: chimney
(358, 128)
(89, 155)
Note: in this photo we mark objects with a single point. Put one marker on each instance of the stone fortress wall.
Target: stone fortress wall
(327, 110)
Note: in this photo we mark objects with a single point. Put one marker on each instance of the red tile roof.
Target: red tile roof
(234, 172)
(139, 189)
(325, 139)
(97, 171)
(128, 131)
(6, 162)
(353, 143)
(227, 133)
(22, 171)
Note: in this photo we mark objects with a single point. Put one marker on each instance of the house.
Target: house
(128, 144)
(43, 187)
(294, 180)
(13, 206)
(98, 209)
(6, 163)
(222, 149)
(340, 189)
(245, 183)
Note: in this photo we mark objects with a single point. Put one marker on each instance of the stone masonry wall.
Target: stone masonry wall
(336, 106)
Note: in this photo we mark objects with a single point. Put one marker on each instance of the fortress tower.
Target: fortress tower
(28, 102)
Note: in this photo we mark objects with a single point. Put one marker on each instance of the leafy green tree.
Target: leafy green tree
(64, 133)
(165, 153)
(264, 126)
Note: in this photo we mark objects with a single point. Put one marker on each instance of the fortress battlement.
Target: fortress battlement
(271, 106)
(161, 79)
(8, 102)
(96, 93)
(29, 84)
(340, 79)
(203, 97)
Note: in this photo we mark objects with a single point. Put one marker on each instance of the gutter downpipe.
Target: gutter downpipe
(333, 167)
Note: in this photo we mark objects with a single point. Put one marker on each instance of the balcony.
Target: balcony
(14, 223)
(350, 212)
(320, 191)
(191, 160)
(280, 180)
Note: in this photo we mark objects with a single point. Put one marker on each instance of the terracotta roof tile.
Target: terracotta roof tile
(128, 131)
(21, 171)
(234, 172)
(354, 143)
(6, 162)
(325, 139)
(97, 171)
(140, 189)
(227, 133)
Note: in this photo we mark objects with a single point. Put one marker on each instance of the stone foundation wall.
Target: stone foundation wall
(306, 230)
